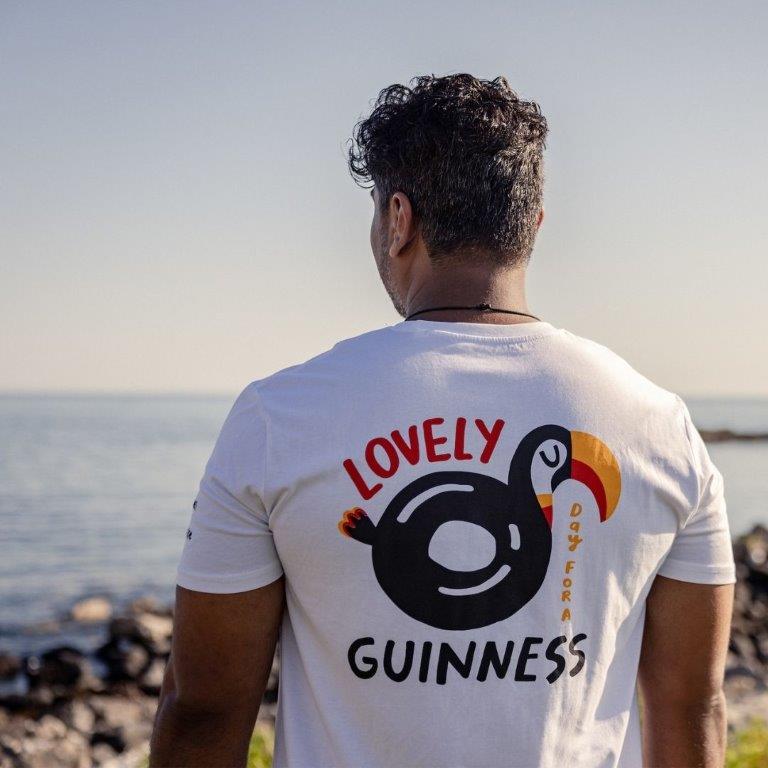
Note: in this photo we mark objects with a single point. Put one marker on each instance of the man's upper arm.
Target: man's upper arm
(689, 606)
(230, 585)
(223, 645)
(685, 641)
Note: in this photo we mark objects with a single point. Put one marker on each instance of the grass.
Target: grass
(262, 744)
(749, 747)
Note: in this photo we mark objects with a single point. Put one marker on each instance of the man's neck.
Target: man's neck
(500, 289)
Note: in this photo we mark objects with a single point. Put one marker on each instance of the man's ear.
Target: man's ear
(540, 218)
(401, 224)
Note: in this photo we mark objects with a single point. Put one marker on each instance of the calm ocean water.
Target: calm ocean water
(96, 492)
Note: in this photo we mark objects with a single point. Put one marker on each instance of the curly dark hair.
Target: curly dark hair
(468, 153)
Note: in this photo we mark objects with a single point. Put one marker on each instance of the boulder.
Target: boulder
(61, 668)
(152, 680)
(10, 666)
(148, 604)
(121, 722)
(76, 714)
(149, 629)
(92, 610)
(102, 754)
(124, 658)
(45, 743)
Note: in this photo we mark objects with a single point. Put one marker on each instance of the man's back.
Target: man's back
(469, 517)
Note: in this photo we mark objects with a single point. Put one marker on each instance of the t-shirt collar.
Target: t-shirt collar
(521, 330)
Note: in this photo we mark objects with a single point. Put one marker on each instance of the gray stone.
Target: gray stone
(152, 680)
(152, 631)
(122, 723)
(76, 714)
(46, 743)
(102, 754)
(92, 610)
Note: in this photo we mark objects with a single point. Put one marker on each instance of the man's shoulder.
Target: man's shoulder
(573, 359)
(609, 371)
(349, 352)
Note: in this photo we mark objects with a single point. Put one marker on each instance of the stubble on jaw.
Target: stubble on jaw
(385, 273)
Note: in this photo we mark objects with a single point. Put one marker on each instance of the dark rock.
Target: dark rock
(112, 737)
(152, 679)
(125, 659)
(270, 692)
(122, 722)
(727, 435)
(743, 647)
(748, 648)
(152, 631)
(44, 743)
(10, 666)
(61, 668)
(76, 714)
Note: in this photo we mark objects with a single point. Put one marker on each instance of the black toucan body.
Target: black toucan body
(517, 514)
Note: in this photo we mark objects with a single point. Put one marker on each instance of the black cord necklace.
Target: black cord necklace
(477, 307)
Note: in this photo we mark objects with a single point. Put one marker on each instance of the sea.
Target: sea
(96, 494)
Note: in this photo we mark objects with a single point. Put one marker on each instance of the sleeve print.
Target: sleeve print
(229, 545)
(702, 551)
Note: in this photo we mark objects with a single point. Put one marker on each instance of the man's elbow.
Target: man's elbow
(686, 705)
(193, 728)
(194, 712)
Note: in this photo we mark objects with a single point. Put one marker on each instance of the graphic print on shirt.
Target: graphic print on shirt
(510, 523)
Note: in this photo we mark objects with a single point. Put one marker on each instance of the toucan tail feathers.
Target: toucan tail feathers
(356, 524)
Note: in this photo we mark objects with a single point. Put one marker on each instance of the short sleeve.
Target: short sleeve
(702, 551)
(229, 545)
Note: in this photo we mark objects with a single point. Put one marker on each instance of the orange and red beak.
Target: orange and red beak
(593, 464)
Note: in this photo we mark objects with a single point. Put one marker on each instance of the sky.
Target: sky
(176, 212)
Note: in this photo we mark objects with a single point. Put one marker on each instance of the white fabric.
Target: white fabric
(450, 647)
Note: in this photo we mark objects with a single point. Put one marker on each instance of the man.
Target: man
(475, 532)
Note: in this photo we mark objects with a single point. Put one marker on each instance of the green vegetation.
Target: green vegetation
(260, 751)
(749, 747)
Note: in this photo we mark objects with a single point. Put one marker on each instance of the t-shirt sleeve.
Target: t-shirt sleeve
(702, 551)
(229, 545)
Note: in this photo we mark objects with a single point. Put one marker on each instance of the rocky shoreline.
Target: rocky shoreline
(728, 435)
(67, 708)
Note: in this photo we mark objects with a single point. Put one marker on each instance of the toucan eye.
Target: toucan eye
(551, 462)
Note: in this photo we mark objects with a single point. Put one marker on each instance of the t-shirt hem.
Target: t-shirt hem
(698, 573)
(222, 585)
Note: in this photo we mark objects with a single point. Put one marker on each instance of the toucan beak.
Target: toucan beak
(593, 464)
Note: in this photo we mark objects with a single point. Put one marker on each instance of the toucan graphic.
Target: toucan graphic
(405, 543)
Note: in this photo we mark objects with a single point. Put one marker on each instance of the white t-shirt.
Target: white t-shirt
(469, 517)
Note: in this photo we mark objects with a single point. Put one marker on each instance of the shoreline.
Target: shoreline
(728, 435)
